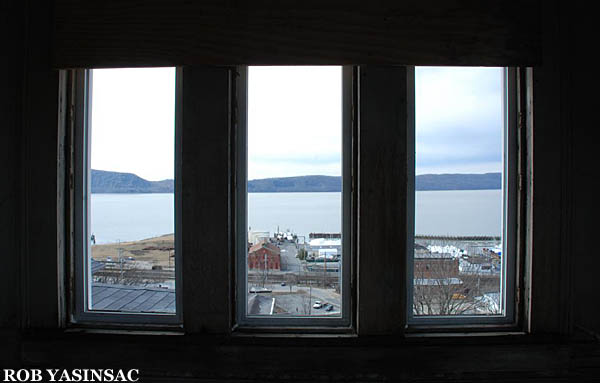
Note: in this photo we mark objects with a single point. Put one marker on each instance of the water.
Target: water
(129, 217)
(302, 213)
(459, 212)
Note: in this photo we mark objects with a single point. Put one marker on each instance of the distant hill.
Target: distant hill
(296, 184)
(458, 181)
(113, 182)
(334, 184)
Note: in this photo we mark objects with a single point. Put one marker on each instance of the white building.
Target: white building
(255, 236)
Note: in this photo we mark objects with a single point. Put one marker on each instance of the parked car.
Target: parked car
(317, 305)
(329, 308)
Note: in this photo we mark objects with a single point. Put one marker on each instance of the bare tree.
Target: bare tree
(439, 288)
(304, 306)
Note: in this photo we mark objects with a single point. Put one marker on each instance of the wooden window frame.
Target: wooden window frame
(245, 322)
(208, 116)
(511, 200)
(82, 82)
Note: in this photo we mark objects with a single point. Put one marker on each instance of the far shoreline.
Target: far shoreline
(288, 192)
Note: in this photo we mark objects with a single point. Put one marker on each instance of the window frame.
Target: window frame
(244, 321)
(82, 82)
(511, 196)
(358, 317)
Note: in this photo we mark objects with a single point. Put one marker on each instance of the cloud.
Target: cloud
(133, 121)
(294, 121)
(459, 119)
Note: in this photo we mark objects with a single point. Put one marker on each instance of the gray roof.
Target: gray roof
(96, 266)
(260, 305)
(109, 297)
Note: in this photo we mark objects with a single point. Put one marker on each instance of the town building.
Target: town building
(264, 255)
(256, 236)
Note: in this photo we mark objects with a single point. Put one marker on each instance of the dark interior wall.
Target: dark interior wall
(11, 94)
(551, 174)
(39, 174)
(582, 77)
(29, 143)
(10, 106)
(109, 33)
(564, 108)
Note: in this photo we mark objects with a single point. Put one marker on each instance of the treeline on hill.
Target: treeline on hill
(334, 184)
(486, 181)
(296, 184)
(113, 182)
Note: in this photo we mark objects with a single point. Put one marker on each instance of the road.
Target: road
(295, 299)
(289, 262)
(300, 299)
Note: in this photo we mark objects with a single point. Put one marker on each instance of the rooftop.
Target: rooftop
(109, 297)
(269, 246)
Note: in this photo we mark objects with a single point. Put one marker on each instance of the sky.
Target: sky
(294, 121)
(133, 121)
(459, 120)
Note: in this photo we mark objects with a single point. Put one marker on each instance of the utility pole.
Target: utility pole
(324, 268)
(310, 300)
(120, 259)
(264, 269)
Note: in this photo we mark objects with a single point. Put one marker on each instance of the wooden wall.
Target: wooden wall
(107, 33)
(11, 94)
(11, 77)
(581, 83)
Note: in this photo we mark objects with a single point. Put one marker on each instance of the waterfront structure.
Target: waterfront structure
(325, 248)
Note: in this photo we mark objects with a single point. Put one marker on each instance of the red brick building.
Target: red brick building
(264, 253)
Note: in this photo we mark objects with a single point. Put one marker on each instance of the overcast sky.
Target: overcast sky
(294, 121)
(133, 120)
(459, 120)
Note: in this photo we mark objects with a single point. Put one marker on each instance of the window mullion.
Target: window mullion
(382, 208)
(205, 219)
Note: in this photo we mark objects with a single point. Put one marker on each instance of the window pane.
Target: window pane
(131, 267)
(294, 191)
(460, 128)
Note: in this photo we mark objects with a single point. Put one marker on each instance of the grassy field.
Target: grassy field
(155, 251)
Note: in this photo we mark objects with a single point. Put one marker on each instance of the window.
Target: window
(293, 196)
(307, 207)
(462, 263)
(127, 259)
